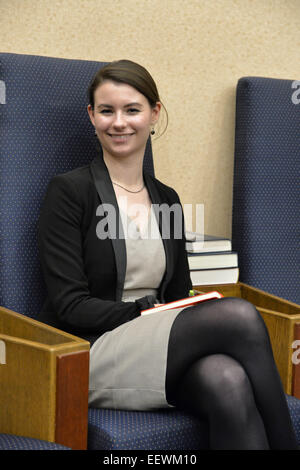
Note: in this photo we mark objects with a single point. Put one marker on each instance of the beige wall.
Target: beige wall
(196, 51)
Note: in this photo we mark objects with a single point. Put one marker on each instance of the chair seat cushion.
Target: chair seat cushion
(165, 429)
(11, 442)
(294, 407)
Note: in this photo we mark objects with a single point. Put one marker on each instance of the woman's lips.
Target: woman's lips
(120, 137)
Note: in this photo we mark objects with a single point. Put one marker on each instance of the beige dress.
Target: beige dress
(128, 364)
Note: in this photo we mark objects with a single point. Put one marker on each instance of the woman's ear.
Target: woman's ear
(91, 114)
(155, 113)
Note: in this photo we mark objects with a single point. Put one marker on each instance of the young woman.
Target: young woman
(102, 269)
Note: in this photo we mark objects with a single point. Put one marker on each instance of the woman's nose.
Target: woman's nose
(119, 120)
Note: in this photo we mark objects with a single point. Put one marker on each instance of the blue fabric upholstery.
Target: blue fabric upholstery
(160, 430)
(294, 407)
(10, 442)
(143, 430)
(266, 196)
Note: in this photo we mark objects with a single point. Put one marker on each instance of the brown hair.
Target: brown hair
(130, 73)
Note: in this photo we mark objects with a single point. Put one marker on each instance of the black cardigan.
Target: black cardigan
(84, 274)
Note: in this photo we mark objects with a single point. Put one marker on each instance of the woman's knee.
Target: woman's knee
(221, 383)
(219, 374)
(245, 314)
(230, 315)
(240, 307)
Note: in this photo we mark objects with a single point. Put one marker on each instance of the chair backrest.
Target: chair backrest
(44, 130)
(266, 193)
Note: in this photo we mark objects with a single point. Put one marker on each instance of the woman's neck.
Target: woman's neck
(126, 171)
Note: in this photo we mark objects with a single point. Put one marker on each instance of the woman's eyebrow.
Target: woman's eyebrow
(103, 105)
(133, 104)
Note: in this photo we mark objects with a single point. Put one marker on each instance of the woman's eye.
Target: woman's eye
(129, 111)
(133, 111)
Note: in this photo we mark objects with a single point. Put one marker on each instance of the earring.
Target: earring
(152, 131)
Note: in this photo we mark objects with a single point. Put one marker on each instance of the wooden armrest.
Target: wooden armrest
(44, 374)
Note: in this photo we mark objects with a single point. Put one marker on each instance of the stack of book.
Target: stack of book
(211, 259)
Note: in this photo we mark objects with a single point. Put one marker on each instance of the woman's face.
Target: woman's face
(122, 118)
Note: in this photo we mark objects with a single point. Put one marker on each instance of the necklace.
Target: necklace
(128, 190)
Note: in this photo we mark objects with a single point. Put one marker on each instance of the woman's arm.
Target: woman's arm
(61, 250)
(180, 284)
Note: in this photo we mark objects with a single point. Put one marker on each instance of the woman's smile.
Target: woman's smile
(123, 136)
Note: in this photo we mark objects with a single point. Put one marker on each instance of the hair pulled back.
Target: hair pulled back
(130, 73)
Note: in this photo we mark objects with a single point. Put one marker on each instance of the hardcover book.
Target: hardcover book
(187, 302)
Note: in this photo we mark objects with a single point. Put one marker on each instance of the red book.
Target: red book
(187, 302)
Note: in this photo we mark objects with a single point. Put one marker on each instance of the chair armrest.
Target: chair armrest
(44, 375)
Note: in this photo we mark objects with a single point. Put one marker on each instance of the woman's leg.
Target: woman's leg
(217, 388)
(230, 327)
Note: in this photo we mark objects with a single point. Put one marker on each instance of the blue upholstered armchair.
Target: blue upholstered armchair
(44, 130)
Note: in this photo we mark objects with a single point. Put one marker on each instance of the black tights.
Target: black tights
(220, 366)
